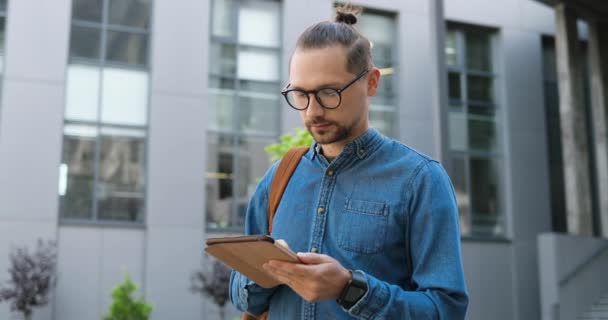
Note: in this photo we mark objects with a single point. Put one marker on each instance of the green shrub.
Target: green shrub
(299, 138)
(124, 305)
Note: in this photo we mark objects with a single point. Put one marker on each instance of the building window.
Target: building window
(3, 12)
(243, 106)
(475, 157)
(554, 135)
(380, 28)
(102, 172)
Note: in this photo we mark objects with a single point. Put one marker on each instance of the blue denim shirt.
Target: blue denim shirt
(379, 207)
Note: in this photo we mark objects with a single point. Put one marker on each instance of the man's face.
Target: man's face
(313, 69)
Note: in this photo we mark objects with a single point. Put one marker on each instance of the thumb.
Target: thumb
(313, 258)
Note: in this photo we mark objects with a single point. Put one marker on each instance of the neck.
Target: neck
(333, 150)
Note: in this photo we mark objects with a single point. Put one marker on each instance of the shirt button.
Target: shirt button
(314, 250)
(330, 173)
(321, 210)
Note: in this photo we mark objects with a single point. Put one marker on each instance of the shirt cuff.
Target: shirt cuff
(372, 302)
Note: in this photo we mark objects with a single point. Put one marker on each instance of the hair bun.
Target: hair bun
(347, 13)
(346, 17)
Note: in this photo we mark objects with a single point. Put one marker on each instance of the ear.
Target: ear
(373, 79)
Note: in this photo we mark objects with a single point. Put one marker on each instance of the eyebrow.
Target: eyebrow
(332, 85)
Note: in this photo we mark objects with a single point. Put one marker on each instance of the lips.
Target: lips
(320, 125)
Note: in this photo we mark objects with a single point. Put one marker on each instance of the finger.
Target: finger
(279, 268)
(271, 272)
(294, 270)
(313, 258)
(283, 276)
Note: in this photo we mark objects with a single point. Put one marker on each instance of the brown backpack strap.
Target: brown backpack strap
(287, 166)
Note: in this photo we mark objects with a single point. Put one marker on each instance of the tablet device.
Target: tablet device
(247, 254)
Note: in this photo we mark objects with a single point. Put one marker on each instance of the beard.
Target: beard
(332, 133)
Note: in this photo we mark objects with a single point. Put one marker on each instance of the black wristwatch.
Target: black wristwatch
(354, 290)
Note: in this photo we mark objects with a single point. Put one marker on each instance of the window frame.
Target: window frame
(93, 218)
(499, 156)
(394, 109)
(236, 133)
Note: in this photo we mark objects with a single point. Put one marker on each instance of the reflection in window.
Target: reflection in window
(3, 7)
(120, 185)
(243, 105)
(102, 172)
(475, 149)
(380, 28)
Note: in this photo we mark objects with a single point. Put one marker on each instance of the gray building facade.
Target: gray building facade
(130, 131)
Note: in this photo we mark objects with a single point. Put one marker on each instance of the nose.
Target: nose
(314, 110)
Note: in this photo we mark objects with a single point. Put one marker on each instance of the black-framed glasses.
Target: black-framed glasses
(328, 98)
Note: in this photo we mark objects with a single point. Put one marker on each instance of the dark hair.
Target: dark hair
(340, 32)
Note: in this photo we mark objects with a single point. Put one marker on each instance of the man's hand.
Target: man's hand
(318, 277)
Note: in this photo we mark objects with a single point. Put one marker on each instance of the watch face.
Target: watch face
(354, 293)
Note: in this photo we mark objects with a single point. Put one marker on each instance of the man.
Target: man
(373, 221)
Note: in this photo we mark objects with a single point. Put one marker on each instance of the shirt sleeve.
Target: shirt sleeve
(437, 286)
(245, 294)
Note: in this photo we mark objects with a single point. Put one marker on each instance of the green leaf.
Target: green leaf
(298, 138)
(124, 306)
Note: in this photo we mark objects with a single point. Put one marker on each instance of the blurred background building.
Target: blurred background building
(131, 130)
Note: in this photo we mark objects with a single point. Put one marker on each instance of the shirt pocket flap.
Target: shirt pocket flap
(366, 207)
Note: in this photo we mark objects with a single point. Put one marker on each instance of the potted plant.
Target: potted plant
(124, 306)
(213, 283)
(32, 277)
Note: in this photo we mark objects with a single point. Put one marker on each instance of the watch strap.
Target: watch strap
(354, 290)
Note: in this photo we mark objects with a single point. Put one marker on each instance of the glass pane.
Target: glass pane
(221, 109)
(223, 18)
(482, 109)
(221, 83)
(458, 176)
(482, 134)
(88, 10)
(383, 120)
(259, 23)
(484, 196)
(121, 184)
(451, 53)
(219, 187)
(132, 13)
(383, 101)
(480, 88)
(456, 106)
(253, 162)
(124, 97)
(127, 47)
(2, 33)
(379, 29)
(258, 112)
(454, 85)
(260, 87)
(82, 96)
(479, 55)
(386, 86)
(549, 61)
(77, 172)
(223, 59)
(382, 55)
(2, 5)
(458, 131)
(256, 64)
(84, 42)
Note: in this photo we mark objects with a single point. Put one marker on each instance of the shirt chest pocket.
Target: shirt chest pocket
(362, 226)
